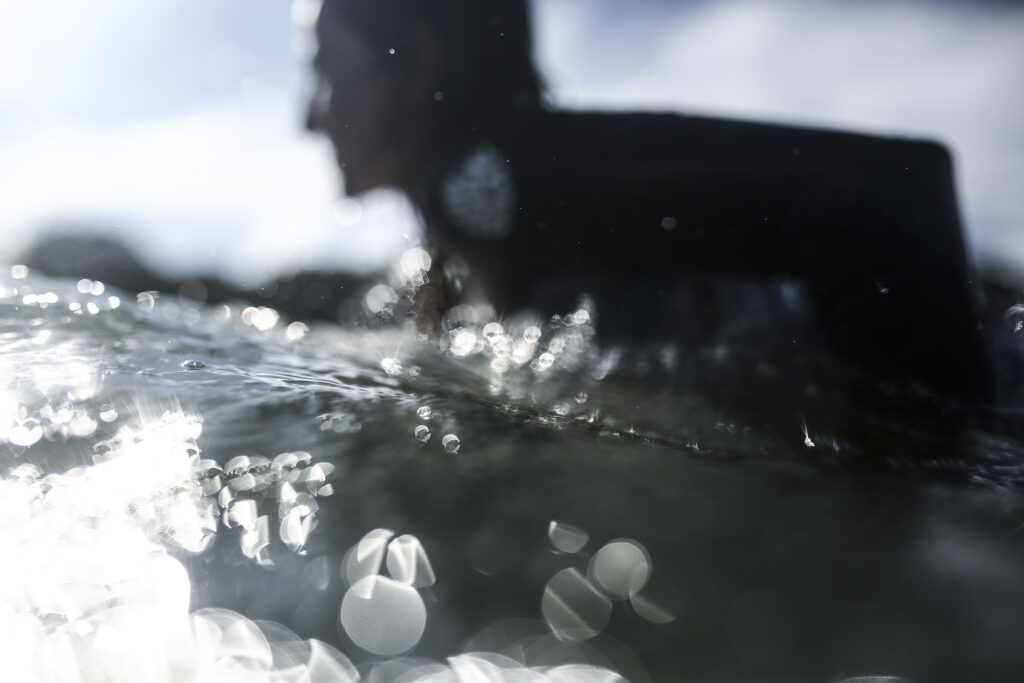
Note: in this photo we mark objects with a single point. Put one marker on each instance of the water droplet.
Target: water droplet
(19, 272)
(241, 513)
(531, 334)
(407, 562)
(365, 557)
(25, 433)
(621, 568)
(573, 607)
(492, 331)
(84, 286)
(424, 412)
(193, 365)
(807, 438)
(147, 300)
(383, 616)
(463, 343)
(238, 465)
(296, 527)
(581, 397)
(567, 538)
(296, 331)
(391, 366)
(380, 300)
(82, 425)
(260, 317)
(414, 264)
(422, 433)
(451, 443)
(522, 351)
(256, 538)
(580, 317)
(544, 362)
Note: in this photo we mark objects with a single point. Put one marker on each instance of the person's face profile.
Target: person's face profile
(354, 104)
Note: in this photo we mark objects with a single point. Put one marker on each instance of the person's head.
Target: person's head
(400, 77)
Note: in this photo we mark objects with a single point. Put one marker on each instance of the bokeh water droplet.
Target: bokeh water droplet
(451, 443)
(573, 607)
(567, 538)
(407, 562)
(621, 568)
(296, 331)
(365, 557)
(25, 433)
(463, 343)
(383, 616)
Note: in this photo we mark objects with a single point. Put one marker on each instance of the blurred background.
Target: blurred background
(175, 126)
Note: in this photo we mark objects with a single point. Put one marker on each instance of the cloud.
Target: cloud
(232, 186)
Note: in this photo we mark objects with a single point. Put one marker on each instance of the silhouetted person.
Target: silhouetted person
(440, 99)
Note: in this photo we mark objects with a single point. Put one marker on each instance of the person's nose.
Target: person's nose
(319, 105)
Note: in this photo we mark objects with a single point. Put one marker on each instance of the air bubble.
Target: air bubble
(193, 365)
(424, 412)
(451, 443)
(531, 334)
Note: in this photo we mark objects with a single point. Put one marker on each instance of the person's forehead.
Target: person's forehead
(336, 40)
(333, 28)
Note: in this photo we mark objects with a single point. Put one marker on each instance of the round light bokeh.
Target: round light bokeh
(567, 538)
(407, 562)
(383, 616)
(621, 568)
(573, 607)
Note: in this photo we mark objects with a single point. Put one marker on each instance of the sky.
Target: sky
(175, 125)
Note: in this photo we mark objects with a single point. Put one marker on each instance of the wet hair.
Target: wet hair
(486, 61)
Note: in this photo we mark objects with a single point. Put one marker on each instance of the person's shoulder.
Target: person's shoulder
(666, 133)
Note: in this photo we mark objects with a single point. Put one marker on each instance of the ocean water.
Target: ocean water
(214, 493)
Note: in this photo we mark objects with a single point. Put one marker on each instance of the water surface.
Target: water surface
(215, 494)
